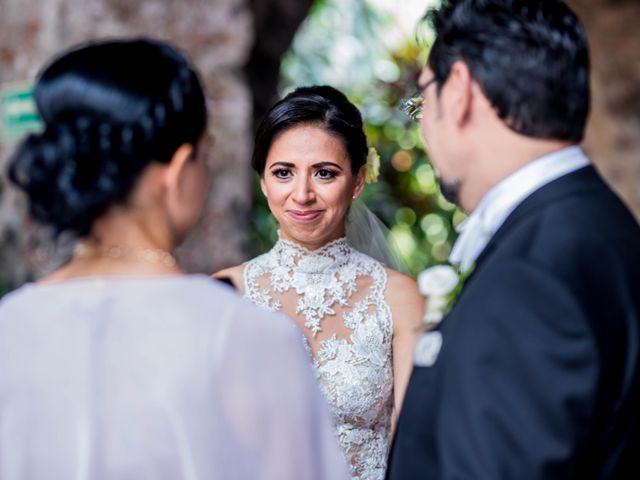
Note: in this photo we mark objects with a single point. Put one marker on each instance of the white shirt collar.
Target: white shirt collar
(498, 203)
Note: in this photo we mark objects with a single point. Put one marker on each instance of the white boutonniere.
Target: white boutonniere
(441, 285)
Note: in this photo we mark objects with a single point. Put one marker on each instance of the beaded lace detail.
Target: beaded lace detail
(337, 294)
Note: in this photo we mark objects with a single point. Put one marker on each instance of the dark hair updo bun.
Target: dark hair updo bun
(109, 109)
(320, 105)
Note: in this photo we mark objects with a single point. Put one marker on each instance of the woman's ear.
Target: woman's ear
(359, 183)
(175, 167)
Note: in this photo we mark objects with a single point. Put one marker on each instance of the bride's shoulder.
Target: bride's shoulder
(232, 275)
(398, 280)
(402, 295)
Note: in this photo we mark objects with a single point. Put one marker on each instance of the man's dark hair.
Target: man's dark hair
(530, 58)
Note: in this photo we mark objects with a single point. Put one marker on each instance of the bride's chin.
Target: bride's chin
(304, 236)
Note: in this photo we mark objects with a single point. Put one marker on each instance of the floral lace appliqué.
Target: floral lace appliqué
(355, 373)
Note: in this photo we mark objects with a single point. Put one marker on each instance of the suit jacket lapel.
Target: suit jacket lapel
(578, 182)
(570, 184)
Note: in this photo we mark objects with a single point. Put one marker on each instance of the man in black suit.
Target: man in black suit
(535, 371)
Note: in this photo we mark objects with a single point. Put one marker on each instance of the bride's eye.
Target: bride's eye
(281, 173)
(325, 174)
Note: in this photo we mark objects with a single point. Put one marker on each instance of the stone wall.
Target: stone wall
(613, 135)
(218, 36)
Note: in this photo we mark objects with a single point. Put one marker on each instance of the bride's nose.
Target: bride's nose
(303, 190)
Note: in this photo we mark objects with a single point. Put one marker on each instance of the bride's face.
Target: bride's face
(309, 185)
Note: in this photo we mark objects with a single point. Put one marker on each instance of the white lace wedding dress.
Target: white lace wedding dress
(337, 294)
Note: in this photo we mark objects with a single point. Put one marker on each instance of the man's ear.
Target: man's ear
(359, 185)
(175, 168)
(460, 90)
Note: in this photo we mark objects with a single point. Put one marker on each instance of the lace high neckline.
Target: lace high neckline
(337, 295)
(329, 257)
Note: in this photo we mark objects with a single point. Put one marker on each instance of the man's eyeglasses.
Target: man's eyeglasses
(412, 106)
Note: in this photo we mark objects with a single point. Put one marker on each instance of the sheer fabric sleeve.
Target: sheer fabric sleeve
(271, 404)
(174, 379)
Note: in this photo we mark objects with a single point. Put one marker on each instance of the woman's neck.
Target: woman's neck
(121, 245)
(127, 228)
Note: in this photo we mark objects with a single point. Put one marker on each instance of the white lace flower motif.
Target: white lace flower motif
(314, 263)
(279, 277)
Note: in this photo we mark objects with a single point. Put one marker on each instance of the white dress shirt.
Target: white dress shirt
(502, 199)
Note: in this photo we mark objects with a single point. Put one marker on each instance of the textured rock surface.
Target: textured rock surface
(217, 35)
(613, 136)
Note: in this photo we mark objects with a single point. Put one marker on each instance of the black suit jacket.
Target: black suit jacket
(539, 375)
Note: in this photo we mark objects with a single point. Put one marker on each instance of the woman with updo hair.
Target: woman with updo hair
(360, 317)
(118, 365)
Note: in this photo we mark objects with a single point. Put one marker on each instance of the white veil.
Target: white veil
(366, 233)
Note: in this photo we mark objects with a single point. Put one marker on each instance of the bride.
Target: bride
(359, 317)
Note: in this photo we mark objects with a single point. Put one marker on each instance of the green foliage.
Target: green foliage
(4, 289)
(342, 46)
(263, 232)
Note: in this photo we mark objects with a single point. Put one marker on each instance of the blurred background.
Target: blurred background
(250, 53)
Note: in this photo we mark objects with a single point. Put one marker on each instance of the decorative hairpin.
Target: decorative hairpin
(18, 114)
(372, 169)
(412, 107)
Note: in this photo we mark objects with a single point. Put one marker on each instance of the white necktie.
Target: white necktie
(474, 236)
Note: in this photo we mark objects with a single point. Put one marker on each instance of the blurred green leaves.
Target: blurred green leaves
(4, 289)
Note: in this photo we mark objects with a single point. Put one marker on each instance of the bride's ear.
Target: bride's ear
(263, 187)
(359, 183)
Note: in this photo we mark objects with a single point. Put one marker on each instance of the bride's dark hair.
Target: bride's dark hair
(109, 108)
(318, 105)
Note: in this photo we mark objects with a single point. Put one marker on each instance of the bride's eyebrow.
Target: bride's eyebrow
(327, 164)
(282, 164)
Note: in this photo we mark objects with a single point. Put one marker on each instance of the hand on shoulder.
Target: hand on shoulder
(234, 276)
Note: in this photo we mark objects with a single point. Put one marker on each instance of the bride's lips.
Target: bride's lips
(304, 216)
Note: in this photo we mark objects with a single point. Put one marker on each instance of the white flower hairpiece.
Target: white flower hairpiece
(372, 168)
